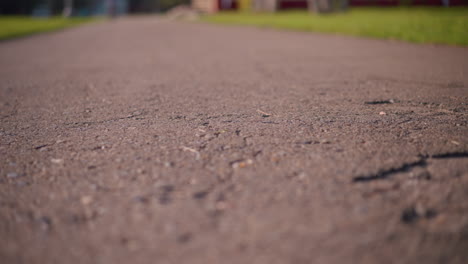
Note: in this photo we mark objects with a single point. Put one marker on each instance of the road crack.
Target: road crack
(405, 167)
(383, 174)
(88, 123)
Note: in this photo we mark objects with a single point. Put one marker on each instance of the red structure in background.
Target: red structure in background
(412, 2)
(227, 5)
(295, 4)
(302, 4)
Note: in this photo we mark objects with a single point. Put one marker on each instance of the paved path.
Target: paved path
(149, 141)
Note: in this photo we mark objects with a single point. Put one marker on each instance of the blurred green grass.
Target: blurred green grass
(18, 26)
(419, 25)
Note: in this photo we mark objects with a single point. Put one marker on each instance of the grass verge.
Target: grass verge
(18, 26)
(419, 25)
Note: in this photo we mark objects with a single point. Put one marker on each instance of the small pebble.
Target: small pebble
(45, 222)
(86, 200)
(168, 164)
(242, 164)
(57, 161)
(12, 175)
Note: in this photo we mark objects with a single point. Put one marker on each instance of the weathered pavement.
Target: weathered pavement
(149, 141)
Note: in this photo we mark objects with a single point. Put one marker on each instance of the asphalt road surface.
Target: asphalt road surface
(144, 140)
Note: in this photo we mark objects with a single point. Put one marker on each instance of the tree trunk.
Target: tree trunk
(112, 8)
(67, 8)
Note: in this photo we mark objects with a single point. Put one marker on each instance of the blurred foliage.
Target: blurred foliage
(25, 7)
(18, 6)
(17, 26)
(420, 25)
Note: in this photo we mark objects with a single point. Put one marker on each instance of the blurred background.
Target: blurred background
(121, 7)
(420, 21)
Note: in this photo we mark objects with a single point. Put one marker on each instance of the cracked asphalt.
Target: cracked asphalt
(144, 140)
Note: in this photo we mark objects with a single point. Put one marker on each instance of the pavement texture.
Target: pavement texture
(144, 140)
